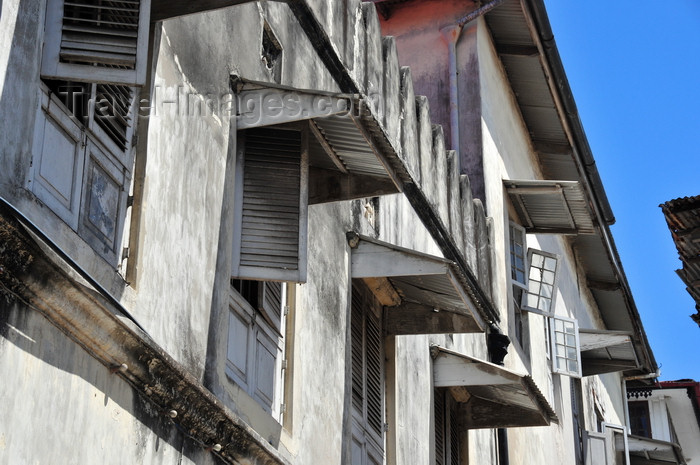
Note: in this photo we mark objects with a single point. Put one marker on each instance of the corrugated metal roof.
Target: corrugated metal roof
(502, 397)
(417, 277)
(558, 207)
(683, 219)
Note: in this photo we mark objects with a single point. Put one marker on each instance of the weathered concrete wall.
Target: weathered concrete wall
(61, 405)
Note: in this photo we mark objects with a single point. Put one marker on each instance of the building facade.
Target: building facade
(237, 232)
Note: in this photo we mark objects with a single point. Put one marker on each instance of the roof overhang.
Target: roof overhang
(421, 293)
(524, 41)
(606, 351)
(551, 207)
(346, 157)
(645, 451)
(490, 396)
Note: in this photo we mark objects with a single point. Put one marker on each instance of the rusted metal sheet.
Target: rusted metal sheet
(683, 219)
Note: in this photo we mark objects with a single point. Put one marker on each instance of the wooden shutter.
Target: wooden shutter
(96, 41)
(439, 406)
(375, 373)
(367, 377)
(356, 333)
(271, 211)
(270, 303)
(453, 423)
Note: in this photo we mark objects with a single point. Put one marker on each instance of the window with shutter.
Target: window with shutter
(255, 341)
(82, 159)
(96, 41)
(271, 208)
(367, 378)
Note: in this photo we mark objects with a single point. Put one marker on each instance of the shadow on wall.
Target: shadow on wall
(35, 390)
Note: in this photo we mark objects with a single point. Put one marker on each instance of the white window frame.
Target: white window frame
(565, 345)
(534, 285)
(608, 445)
(258, 332)
(513, 229)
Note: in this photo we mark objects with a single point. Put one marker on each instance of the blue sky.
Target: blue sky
(634, 69)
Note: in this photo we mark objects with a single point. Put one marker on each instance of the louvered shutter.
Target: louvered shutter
(96, 41)
(439, 406)
(270, 303)
(356, 336)
(374, 388)
(271, 211)
(454, 431)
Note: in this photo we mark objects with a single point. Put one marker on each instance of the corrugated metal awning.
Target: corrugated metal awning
(554, 207)
(422, 294)
(645, 451)
(606, 351)
(490, 396)
(348, 159)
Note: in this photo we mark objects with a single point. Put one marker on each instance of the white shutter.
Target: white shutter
(265, 361)
(566, 348)
(96, 41)
(596, 449)
(271, 190)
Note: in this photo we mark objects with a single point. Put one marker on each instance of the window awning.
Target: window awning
(645, 451)
(606, 351)
(348, 157)
(551, 207)
(490, 396)
(422, 294)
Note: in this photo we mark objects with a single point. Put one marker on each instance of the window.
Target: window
(566, 349)
(561, 334)
(94, 56)
(609, 447)
(272, 202)
(640, 421)
(541, 280)
(518, 278)
(367, 378)
(518, 264)
(255, 341)
(447, 434)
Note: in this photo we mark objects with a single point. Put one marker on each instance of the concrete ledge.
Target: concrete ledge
(33, 272)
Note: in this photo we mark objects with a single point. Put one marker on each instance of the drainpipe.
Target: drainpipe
(451, 35)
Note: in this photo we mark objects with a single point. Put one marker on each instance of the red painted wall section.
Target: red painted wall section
(416, 26)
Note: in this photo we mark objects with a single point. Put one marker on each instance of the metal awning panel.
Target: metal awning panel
(606, 351)
(346, 156)
(490, 396)
(558, 207)
(645, 451)
(427, 294)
